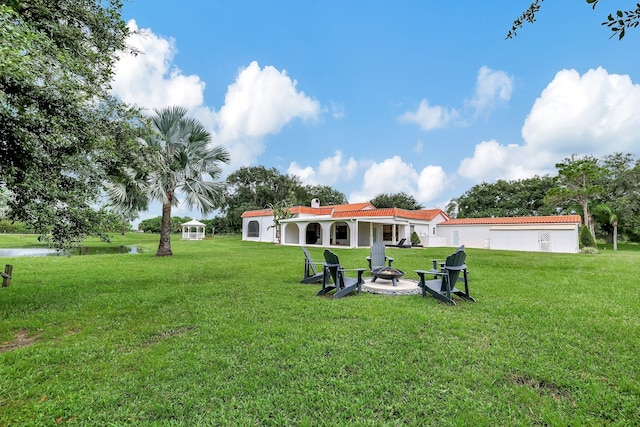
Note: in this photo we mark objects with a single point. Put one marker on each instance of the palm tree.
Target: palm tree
(605, 215)
(181, 163)
(127, 195)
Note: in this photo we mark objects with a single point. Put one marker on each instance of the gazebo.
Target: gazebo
(193, 230)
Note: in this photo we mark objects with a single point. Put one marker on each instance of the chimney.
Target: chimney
(315, 203)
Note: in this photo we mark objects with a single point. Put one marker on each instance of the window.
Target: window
(253, 229)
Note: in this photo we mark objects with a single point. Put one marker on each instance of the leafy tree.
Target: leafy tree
(61, 132)
(504, 199)
(280, 211)
(621, 194)
(181, 163)
(604, 215)
(215, 225)
(151, 225)
(327, 195)
(617, 21)
(256, 187)
(577, 182)
(154, 225)
(397, 200)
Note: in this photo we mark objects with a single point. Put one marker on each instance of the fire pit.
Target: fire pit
(388, 273)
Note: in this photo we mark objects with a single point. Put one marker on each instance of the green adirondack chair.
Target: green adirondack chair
(311, 273)
(341, 284)
(378, 258)
(442, 287)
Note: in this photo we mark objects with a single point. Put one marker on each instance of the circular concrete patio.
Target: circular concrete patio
(385, 287)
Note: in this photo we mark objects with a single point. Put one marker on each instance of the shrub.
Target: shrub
(415, 239)
(586, 238)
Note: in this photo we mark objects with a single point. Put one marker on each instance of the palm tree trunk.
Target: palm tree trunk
(164, 248)
(615, 235)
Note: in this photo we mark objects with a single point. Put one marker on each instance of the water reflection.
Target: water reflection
(85, 250)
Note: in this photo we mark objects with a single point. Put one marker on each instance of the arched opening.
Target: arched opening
(340, 234)
(313, 234)
(291, 234)
(253, 229)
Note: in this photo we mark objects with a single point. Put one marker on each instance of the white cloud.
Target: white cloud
(493, 88)
(597, 113)
(492, 160)
(430, 117)
(149, 79)
(431, 183)
(260, 102)
(330, 170)
(394, 176)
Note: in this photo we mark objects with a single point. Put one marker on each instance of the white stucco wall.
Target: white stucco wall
(266, 234)
(472, 236)
(562, 238)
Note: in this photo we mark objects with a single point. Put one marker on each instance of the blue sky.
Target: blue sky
(424, 97)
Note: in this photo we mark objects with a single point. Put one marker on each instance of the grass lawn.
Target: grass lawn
(222, 333)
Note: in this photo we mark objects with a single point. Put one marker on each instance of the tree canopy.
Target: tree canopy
(396, 200)
(578, 182)
(618, 21)
(61, 132)
(258, 187)
(504, 199)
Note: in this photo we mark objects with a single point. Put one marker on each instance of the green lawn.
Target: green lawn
(222, 333)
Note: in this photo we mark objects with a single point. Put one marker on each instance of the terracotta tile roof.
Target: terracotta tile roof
(325, 210)
(353, 210)
(557, 219)
(260, 212)
(322, 210)
(351, 207)
(425, 214)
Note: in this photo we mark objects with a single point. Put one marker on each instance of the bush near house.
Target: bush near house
(415, 239)
(586, 238)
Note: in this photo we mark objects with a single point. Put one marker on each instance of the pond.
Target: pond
(85, 250)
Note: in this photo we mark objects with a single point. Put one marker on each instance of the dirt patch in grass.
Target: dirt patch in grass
(542, 387)
(21, 339)
(160, 336)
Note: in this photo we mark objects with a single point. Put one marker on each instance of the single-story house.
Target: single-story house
(362, 224)
(533, 233)
(350, 225)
